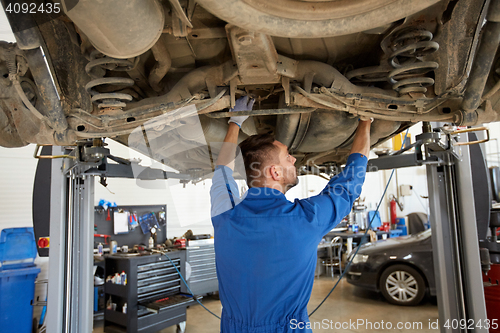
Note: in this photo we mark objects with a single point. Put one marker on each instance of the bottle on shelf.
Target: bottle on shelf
(123, 278)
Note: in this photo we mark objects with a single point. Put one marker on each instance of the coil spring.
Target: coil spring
(369, 74)
(409, 46)
(106, 98)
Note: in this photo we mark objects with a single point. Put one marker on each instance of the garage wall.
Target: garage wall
(17, 170)
(5, 30)
(187, 207)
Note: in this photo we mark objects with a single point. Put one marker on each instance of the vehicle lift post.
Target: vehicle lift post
(73, 171)
(70, 287)
(455, 243)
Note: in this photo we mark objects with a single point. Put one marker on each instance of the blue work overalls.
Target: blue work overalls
(266, 248)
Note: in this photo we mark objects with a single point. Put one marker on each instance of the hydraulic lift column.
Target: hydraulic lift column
(455, 243)
(70, 288)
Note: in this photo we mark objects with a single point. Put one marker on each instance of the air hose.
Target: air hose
(362, 238)
(185, 283)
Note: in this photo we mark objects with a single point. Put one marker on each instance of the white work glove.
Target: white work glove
(242, 104)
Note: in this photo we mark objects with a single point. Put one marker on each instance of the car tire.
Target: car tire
(402, 285)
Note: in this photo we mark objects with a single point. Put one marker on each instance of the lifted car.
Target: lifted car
(158, 75)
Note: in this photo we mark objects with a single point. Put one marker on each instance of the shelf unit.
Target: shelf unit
(153, 292)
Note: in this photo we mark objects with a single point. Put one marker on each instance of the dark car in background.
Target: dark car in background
(400, 268)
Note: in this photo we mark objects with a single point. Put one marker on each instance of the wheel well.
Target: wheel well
(392, 263)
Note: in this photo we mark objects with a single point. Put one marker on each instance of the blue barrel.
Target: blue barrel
(17, 289)
(17, 279)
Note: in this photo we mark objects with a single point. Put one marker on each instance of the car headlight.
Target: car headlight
(359, 258)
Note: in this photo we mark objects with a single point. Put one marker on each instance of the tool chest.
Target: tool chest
(153, 297)
(200, 255)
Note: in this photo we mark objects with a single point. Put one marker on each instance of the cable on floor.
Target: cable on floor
(185, 283)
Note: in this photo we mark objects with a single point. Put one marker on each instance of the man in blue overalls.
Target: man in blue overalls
(265, 245)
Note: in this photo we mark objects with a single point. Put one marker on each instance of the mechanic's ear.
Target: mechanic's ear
(276, 172)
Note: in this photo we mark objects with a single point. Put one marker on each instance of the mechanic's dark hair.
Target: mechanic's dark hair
(258, 151)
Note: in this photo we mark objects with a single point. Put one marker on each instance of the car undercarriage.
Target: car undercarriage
(160, 76)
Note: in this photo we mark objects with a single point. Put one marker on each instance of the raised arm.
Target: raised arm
(361, 144)
(224, 193)
(337, 198)
(228, 150)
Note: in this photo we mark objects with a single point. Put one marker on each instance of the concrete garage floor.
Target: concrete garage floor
(346, 305)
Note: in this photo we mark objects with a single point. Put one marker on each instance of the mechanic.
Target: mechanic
(265, 245)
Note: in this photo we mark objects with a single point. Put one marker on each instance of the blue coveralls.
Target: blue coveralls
(266, 248)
